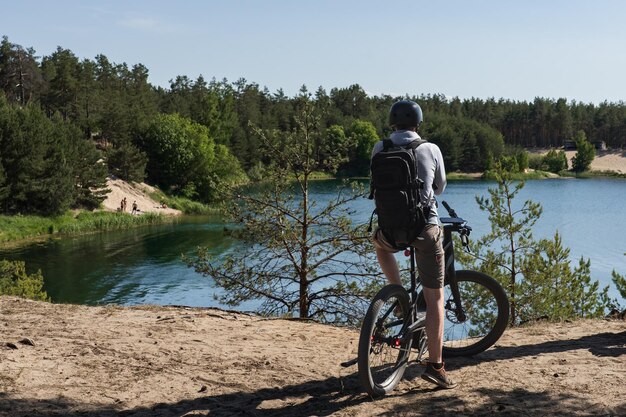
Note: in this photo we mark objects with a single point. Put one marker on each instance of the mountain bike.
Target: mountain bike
(476, 313)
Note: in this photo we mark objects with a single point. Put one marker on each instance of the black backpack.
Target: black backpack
(395, 189)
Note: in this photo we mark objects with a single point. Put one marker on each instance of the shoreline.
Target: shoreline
(37, 229)
(607, 164)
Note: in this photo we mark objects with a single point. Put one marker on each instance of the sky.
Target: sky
(508, 49)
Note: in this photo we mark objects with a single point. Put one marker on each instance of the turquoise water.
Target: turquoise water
(144, 265)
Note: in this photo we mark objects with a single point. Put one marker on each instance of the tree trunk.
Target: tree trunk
(513, 314)
(304, 250)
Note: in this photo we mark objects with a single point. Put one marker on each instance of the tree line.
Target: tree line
(62, 111)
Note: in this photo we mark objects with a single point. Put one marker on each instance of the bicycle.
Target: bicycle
(476, 311)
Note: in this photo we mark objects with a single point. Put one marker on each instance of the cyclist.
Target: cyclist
(405, 117)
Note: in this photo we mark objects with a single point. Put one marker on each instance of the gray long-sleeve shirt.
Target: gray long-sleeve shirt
(430, 168)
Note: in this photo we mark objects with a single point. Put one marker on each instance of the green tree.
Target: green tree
(48, 166)
(552, 289)
(521, 155)
(585, 152)
(301, 259)
(61, 71)
(333, 149)
(509, 164)
(4, 190)
(15, 281)
(20, 76)
(440, 130)
(555, 161)
(535, 273)
(182, 157)
(127, 162)
(87, 171)
(620, 283)
(361, 137)
(38, 176)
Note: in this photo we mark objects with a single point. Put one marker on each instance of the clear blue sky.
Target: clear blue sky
(510, 49)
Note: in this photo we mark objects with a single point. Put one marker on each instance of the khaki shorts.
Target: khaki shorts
(428, 253)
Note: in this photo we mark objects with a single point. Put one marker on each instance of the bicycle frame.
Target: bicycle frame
(450, 225)
(387, 341)
(458, 225)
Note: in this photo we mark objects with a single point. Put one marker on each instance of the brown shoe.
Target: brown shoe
(438, 376)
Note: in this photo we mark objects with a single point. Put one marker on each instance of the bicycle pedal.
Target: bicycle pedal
(422, 362)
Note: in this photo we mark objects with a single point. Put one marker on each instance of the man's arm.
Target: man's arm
(439, 182)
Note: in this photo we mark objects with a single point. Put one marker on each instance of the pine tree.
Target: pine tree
(300, 259)
(15, 281)
(585, 152)
(127, 162)
(535, 273)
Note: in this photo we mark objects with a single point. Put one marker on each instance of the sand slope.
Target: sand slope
(174, 361)
(139, 192)
(611, 160)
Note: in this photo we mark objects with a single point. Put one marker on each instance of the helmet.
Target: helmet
(405, 114)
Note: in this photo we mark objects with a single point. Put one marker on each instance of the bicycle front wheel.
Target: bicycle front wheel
(383, 348)
(486, 309)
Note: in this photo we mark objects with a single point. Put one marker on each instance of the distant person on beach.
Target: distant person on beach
(135, 209)
(124, 205)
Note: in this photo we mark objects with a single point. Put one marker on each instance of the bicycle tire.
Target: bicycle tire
(383, 351)
(487, 308)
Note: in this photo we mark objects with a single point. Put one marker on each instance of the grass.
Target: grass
(598, 174)
(457, 176)
(18, 228)
(532, 175)
(188, 206)
(185, 205)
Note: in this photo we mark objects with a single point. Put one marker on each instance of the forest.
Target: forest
(67, 122)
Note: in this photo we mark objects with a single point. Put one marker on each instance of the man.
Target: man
(405, 118)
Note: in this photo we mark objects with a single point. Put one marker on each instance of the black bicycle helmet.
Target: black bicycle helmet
(405, 114)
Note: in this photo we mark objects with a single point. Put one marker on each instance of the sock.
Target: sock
(437, 366)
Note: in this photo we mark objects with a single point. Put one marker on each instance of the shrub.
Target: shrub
(15, 281)
(555, 161)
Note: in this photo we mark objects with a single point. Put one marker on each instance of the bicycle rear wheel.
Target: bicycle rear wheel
(383, 348)
(486, 309)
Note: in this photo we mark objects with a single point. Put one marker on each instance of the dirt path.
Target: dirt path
(166, 361)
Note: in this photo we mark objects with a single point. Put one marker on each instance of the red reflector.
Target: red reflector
(397, 342)
(407, 252)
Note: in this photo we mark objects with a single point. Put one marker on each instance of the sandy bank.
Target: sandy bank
(133, 192)
(614, 161)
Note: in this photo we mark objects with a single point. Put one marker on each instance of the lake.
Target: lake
(144, 265)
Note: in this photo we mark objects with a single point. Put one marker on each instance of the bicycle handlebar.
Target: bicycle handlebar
(450, 210)
(458, 224)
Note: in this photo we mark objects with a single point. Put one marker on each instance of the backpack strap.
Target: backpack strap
(413, 145)
(387, 143)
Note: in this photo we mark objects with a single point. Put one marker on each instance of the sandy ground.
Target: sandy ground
(177, 361)
(614, 161)
(138, 192)
(605, 161)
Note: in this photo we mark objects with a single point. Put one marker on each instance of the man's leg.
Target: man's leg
(434, 323)
(388, 264)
